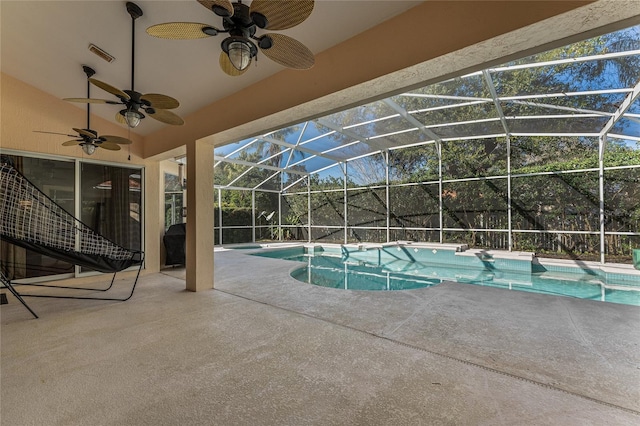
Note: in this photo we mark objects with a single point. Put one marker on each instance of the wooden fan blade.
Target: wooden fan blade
(91, 101)
(73, 142)
(221, 6)
(227, 66)
(56, 133)
(282, 14)
(289, 52)
(108, 145)
(84, 133)
(157, 100)
(167, 116)
(109, 88)
(179, 30)
(120, 119)
(115, 140)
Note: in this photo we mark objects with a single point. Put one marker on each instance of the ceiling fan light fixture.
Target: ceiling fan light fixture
(88, 148)
(239, 54)
(132, 118)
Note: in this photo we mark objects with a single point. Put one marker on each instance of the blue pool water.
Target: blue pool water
(405, 269)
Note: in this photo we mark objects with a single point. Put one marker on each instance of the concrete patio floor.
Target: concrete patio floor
(262, 348)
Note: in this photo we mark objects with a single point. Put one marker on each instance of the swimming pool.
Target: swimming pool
(398, 267)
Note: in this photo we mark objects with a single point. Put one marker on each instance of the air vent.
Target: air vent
(101, 53)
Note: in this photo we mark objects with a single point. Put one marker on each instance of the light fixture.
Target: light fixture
(240, 51)
(132, 118)
(239, 55)
(88, 148)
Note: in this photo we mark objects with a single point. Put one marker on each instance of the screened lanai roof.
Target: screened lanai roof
(587, 90)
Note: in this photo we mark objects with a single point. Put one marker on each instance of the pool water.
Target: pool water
(334, 272)
(371, 270)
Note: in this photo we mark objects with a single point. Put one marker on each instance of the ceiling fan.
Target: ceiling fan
(240, 22)
(155, 105)
(88, 139)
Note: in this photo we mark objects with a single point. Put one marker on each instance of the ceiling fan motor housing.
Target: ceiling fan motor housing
(240, 20)
(135, 102)
(240, 27)
(240, 9)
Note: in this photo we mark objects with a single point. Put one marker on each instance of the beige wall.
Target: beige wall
(24, 109)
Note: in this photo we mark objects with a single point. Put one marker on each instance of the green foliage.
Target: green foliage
(233, 216)
(555, 198)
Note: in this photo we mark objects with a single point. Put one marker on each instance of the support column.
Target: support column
(220, 224)
(509, 212)
(386, 163)
(344, 202)
(309, 207)
(602, 141)
(441, 204)
(253, 216)
(200, 214)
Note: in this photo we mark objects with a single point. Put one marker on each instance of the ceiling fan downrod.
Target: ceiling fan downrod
(89, 72)
(135, 12)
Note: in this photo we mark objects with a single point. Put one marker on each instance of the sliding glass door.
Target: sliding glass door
(57, 180)
(111, 203)
(107, 198)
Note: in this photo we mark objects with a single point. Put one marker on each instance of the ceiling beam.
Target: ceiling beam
(496, 101)
(624, 106)
(261, 166)
(411, 119)
(298, 148)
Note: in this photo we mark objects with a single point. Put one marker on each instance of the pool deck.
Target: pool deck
(263, 348)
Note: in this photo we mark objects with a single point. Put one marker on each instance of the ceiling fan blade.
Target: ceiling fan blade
(73, 142)
(109, 88)
(84, 132)
(166, 116)
(289, 52)
(157, 100)
(56, 133)
(115, 139)
(282, 14)
(227, 66)
(108, 145)
(91, 101)
(179, 30)
(120, 118)
(218, 7)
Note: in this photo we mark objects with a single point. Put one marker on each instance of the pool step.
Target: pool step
(502, 260)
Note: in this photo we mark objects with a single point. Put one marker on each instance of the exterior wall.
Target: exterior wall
(24, 109)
